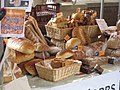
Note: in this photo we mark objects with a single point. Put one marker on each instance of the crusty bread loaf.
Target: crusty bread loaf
(20, 57)
(65, 54)
(22, 45)
(72, 43)
(30, 66)
(7, 76)
(22, 67)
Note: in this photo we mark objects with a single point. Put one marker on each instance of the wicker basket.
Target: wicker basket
(57, 33)
(91, 30)
(59, 43)
(59, 73)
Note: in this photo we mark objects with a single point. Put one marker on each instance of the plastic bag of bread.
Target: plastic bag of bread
(7, 76)
(92, 61)
(114, 42)
(113, 53)
(81, 34)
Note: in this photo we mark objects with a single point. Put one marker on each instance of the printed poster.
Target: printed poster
(12, 25)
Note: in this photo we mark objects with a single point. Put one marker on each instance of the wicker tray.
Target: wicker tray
(57, 33)
(59, 73)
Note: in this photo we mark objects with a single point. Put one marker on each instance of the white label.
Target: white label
(109, 81)
(102, 25)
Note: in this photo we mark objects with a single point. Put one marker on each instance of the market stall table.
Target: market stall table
(39, 84)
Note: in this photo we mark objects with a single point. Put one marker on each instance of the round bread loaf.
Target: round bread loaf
(65, 54)
(22, 45)
(72, 43)
(30, 66)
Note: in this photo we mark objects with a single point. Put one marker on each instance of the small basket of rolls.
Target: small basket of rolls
(58, 68)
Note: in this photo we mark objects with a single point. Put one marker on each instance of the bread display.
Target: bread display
(22, 45)
(30, 66)
(65, 54)
(73, 42)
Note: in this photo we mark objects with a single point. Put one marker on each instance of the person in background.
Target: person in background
(16, 3)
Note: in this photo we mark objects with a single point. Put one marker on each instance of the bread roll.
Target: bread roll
(30, 66)
(7, 76)
(72, 43)
(22, 45)
(65, 54)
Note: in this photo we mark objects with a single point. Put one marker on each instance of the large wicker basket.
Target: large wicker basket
(57, 33)
(59, 73)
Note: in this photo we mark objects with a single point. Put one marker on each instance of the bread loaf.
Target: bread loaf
(65, 54)
(72, 43)
(22, 45)
(22, 67)
(30, 66)
(20, 57)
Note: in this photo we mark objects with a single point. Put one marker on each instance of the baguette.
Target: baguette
(37, 29)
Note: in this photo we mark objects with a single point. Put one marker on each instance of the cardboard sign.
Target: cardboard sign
(59, 14)
(67, 37)
(102, 25)
(101, 53)
(12, 25)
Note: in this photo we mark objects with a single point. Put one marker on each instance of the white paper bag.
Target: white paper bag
(17, 84)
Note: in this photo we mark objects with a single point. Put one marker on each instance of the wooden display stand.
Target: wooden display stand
(43, 13)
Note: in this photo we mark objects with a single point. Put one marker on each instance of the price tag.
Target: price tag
(80, 48)
(102, 25)
(60, 14)
(67, 37)
(101, 53)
